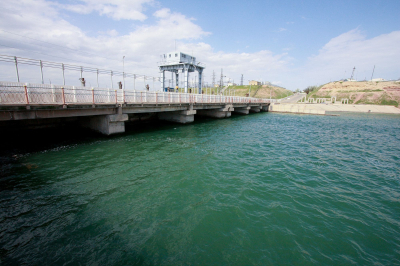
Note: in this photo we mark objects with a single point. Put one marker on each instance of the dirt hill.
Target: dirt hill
(361, 92)
(262, 91)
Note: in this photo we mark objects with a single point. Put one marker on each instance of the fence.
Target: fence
(16, 93)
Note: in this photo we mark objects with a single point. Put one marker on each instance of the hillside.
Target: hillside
(262, 91)
(361, 92)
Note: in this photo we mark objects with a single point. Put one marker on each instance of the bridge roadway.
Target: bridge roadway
(106, 110)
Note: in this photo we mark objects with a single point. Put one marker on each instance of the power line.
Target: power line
(41, 64)
(69, 59)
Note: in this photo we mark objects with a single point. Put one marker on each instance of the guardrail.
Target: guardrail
(16, 93)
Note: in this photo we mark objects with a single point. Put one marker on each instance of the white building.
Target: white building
(178, 57)
(178, 62)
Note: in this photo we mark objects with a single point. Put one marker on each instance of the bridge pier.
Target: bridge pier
(242, 110)
(106, 124)
(217, 113)
(255, 109)
(265, 108)
(182, 117)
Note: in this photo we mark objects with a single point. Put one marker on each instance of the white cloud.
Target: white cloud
(116, 9)
(353, 49)
(61, 41)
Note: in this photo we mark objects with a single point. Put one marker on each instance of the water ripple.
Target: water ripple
(263, 189)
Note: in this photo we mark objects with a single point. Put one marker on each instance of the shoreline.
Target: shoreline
(322, 109)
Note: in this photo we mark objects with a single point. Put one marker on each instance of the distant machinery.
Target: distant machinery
(178, 62)
(352, 74)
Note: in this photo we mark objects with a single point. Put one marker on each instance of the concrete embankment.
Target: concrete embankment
(322, 109)
(295, 108)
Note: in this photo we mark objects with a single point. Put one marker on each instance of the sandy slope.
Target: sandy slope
(364, 92)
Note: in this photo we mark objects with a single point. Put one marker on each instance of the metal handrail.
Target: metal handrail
(18, 93)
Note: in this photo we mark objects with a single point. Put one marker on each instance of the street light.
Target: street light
(123, 69)
(249, 88)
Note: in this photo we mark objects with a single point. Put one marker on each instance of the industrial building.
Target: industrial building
(178, 62)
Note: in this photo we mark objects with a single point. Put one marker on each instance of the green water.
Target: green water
(262, 189)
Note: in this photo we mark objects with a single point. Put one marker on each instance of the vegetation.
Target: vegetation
(379, 93)
(311, 89)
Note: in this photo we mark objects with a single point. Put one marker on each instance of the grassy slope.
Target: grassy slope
(256, 91)
(381, 93)
(261, 91)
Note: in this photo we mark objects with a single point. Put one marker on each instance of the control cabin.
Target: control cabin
(178, 57)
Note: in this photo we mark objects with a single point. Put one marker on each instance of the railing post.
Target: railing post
(92, 95)
(53, 93)
(63, 95)
(156, 97)
(26, 94)
(74, 92)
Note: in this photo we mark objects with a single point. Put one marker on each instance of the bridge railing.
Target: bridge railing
(13, 93)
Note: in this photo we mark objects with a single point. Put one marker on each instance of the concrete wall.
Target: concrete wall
(324, 108)
(294, 108)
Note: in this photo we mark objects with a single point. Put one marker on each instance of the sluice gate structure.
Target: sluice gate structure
(106, 110)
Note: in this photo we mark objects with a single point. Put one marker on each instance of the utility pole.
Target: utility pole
(16, 67)
(221, 81)
(373, 72)
(241, 81)
(213, 80)
(270, 89)
(123, 69)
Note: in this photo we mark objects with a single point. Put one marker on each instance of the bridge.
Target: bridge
(106, 110)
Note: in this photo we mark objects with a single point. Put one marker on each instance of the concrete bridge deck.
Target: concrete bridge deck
(106, 110)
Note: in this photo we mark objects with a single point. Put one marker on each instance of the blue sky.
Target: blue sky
(294, 44)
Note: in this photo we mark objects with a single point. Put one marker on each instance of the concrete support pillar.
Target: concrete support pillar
(242, 110)
(217, 113)
(177, 79)
(200, 79)
(255, 109)
(182, 117)
(162, 79)
(265, 108)
(186, 81)
(106, 124)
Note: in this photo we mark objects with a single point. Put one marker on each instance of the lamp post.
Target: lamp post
(249, 88)
(270, 89)
(123, 69)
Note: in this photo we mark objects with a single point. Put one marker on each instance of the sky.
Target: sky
(290, 43)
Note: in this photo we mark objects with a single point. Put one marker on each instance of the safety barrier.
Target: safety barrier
(16, 93)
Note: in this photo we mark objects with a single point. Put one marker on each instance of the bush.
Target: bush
(310, 89)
